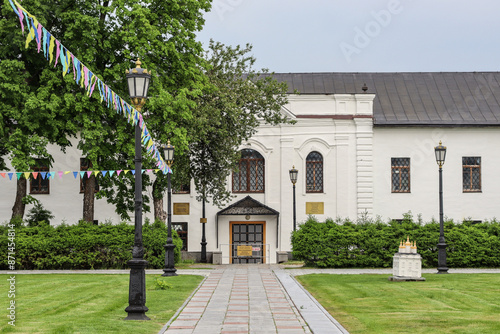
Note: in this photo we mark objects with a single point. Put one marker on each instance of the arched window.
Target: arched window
(250, 175)
(314, 173)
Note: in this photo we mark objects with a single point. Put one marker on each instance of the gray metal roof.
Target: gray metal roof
(433, 98)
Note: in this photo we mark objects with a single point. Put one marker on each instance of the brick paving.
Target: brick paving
(240, 299)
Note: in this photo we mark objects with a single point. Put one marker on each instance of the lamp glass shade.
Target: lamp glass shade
(131, 86)
(146, 85)
(293, 175)
(440, 152)
(139, 86)
(168, 153)
(138, 81)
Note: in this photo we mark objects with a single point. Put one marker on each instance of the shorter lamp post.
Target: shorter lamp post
(169, 270)
(293, 177)
(440, 152)
(203, 242)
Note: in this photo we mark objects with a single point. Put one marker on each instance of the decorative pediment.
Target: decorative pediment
(248, 206)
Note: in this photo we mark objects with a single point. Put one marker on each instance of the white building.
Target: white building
(363, 144)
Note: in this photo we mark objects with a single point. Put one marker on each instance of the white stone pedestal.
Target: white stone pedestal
(407, 267)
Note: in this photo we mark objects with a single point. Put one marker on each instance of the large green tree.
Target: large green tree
(229, 112)
(107, 36)
(25, 127)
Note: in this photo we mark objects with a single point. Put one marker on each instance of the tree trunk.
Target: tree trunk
(88, 199)
(19, 206)
(158, 204)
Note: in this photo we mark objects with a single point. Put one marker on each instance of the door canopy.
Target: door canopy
(248, 206)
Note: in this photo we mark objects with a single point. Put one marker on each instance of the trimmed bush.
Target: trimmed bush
(86, 246)
(369, 244)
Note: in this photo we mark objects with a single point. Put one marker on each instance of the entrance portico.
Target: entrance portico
(247, 232)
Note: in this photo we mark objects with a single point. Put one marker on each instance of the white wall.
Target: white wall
(337, 126)
(418, 144)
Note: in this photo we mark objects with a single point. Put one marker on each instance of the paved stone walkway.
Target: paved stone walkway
(240, 299)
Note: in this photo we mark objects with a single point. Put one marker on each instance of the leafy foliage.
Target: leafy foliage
(86, 246)
(39, 106)
(344, 244)
(38, 215)
(161, 284)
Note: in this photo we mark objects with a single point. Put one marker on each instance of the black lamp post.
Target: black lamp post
(138, 84)
(440, 152)
(169, 269)
(293, 177)
(203, 242)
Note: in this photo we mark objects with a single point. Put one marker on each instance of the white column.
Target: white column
(364, 165)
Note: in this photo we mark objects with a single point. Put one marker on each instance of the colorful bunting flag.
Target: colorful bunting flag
(87, 80)
(82, 174)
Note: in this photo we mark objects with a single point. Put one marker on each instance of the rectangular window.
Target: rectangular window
(41, 183)
(85, 165)
(183, 189)
(400, 169)
(471, 174)
(182, 231)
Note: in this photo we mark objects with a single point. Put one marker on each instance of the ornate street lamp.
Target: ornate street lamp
(293, 177)
(169, 270)
(138, 84)
(440, 152)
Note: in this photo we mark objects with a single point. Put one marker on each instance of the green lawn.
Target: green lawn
(88, 303)
(453, 303)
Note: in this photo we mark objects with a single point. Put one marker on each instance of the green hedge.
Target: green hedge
(372, 244)
(86, 246)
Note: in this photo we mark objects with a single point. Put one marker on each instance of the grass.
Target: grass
(88, 303)
(454, 303)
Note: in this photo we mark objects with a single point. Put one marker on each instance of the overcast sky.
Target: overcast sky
(361, 35)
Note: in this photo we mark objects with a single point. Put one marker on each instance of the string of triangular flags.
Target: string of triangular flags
(76, 174)
(84, 77)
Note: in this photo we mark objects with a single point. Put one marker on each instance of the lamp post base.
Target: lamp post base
(136, 314)
(442, 268)
(169, 269)
(137, 290)
(203, 252)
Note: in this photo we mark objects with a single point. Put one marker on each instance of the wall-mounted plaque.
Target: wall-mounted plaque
(244, 250)
(315, 208)
(181, 208)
